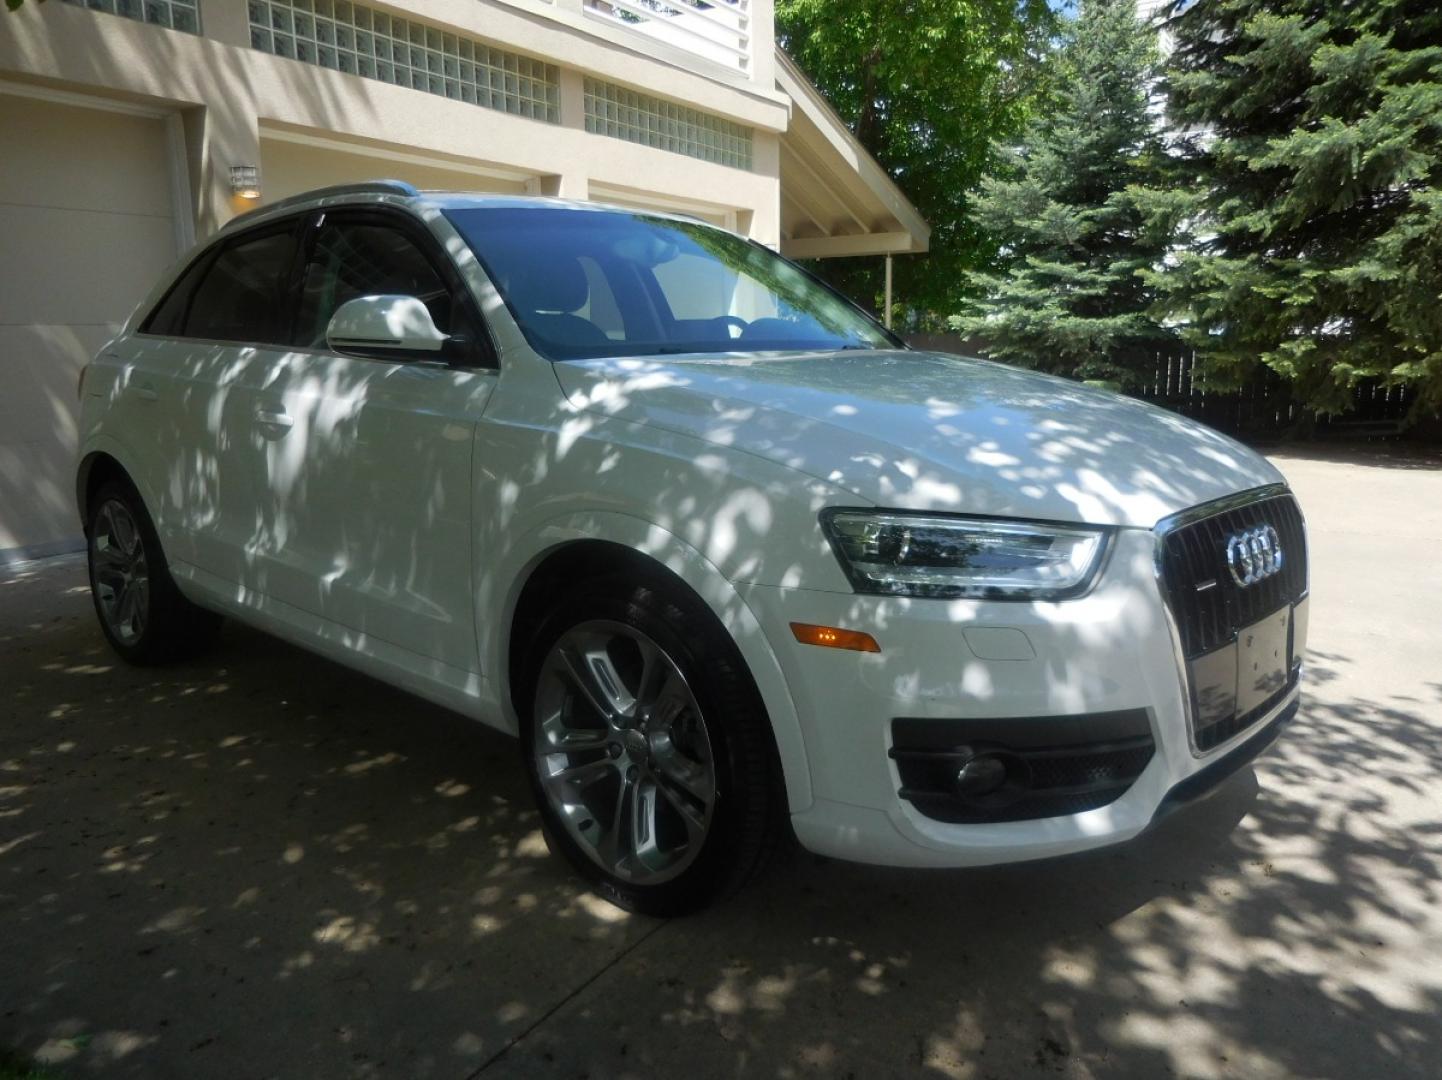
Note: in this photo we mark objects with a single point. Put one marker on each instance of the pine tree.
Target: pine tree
(1068, 296)
(1311, 190)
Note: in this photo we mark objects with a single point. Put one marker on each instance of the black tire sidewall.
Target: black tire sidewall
(174, 627)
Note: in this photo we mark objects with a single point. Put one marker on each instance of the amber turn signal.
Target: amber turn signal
(833, 637)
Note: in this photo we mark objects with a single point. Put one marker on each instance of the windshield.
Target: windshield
(584, 283)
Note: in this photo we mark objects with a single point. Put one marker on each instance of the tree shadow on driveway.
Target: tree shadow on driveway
(263, 864)
(1282, 928)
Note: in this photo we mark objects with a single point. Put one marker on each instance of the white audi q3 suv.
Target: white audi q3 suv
(727, 556)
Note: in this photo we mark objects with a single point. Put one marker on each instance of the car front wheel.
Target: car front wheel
(650, 751)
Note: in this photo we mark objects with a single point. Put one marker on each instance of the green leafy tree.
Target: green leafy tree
(926, 86)
(1311, 191)
(1075, 238)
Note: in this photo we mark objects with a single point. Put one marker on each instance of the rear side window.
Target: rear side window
(168, 318)
(241, 297)
(354, 257)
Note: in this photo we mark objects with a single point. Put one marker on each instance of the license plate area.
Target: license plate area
(1233, 686)
(1264, 662)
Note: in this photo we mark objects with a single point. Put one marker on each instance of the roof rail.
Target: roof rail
(360, 187)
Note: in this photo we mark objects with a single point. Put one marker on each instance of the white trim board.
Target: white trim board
(85, 101)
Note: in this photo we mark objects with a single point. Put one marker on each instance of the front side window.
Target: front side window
(583, 283)
(353, 258)
(241, 297)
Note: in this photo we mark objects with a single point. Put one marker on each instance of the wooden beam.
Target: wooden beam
(819, 186)
(818, 119)
(797, 221)
(835, 247)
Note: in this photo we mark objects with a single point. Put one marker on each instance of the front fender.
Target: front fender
(92, 448)
(499, 593)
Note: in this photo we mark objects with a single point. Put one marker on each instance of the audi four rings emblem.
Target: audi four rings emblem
(1254, 554)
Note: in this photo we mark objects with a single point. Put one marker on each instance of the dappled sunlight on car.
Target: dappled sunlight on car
(1111, 459)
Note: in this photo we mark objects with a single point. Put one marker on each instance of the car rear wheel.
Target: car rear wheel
(141, 611)
(649, 750)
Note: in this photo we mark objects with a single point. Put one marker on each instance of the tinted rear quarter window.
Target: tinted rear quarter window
(168, 316)
(241, 297)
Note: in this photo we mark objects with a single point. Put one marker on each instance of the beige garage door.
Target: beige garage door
(87, 222)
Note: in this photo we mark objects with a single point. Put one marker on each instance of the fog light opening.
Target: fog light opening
(993, 778)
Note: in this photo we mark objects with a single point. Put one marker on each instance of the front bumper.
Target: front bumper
(1020, 665)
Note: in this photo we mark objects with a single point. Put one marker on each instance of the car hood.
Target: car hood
(929, 431)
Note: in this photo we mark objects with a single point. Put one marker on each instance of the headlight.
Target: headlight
(947, 557)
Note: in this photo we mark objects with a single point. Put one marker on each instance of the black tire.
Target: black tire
(162, 625)
(748, 814)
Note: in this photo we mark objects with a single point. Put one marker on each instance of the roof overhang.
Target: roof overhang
(835, 199)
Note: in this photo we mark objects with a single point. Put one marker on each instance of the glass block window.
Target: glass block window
(174, 14)
(640, 118)
(362, 40)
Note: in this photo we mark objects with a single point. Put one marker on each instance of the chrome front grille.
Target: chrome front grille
(1233, 574)
(1206, 600)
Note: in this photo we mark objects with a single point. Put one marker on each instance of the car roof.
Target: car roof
(400, 193)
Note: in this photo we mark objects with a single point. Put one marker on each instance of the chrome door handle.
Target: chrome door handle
(274, 417)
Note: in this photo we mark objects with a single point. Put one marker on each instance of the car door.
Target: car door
(214, 331)
(366, 500)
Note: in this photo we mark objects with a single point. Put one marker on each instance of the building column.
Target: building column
(567, 185)
(573, 99)
(762, 24)
(222, 131)
(217, 137)
(765, 224)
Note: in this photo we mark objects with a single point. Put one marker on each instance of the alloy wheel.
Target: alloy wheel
(623, 753)
(122, 575)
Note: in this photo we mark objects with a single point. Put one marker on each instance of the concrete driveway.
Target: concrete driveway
(264, 865)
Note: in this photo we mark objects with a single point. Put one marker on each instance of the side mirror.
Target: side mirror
(390, 327)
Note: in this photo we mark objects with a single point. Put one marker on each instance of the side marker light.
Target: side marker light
(833, 637)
